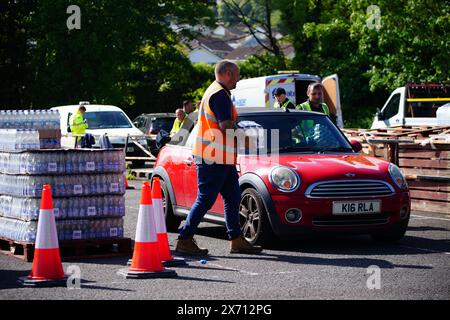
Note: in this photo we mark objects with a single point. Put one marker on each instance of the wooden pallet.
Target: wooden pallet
(71, 249)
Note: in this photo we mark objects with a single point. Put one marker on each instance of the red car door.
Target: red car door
(177, 170)
(190, 185)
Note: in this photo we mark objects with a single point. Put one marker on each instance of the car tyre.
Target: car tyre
(393, 235)
(253, 218)
(172, 221)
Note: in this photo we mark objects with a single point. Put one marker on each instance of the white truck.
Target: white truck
(415, 104)
(259, 92)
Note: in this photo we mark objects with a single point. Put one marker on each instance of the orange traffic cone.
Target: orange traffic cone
(146, 262)
(47, 270)
(127, 186)
(161, 230)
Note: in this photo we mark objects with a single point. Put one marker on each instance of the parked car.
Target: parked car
(152, 123)
(104, 119)
(316, 181)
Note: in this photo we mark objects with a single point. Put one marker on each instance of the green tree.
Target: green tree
(411, 44)
(15, 47)
(96, 62)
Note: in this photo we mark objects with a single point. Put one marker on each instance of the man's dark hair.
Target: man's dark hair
(186, 102)
(82, 108)
(280, 91)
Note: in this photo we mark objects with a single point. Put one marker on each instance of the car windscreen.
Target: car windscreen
(162, 123)
(293, 133)
(106, 120)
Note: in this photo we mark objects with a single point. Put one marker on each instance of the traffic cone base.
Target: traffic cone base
(128, 274)
(27, 282)
(175, 262)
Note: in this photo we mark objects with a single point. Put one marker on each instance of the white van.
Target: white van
(103, 119)
(413, 105)
(259, 92)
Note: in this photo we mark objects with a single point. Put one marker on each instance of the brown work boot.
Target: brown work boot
(241, 245)
(189, 246)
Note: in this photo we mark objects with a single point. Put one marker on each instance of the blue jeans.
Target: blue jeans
(213, 179)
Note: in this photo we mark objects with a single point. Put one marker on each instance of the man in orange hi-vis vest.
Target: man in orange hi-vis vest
(215, 158)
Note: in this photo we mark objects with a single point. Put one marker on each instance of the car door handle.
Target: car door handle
(188, 162)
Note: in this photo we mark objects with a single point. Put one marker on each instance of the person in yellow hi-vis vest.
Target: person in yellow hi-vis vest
(78, 124)
(215, 157)
(178, 122)
(314, 103)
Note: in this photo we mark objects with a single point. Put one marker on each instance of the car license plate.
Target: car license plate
(130, 149)
(356, 207)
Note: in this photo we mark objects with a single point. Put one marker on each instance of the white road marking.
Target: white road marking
(428, 218)
(233, 269)
(425, 249)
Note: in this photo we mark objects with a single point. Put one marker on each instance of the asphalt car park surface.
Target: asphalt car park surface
(418, 267)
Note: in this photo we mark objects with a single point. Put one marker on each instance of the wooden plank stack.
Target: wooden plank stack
(423, 153)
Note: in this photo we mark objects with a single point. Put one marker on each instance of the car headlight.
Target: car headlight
(397, 176)
(284, 179)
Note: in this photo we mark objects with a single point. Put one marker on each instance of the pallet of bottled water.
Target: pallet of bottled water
(87, 187)
(29, 119)
(63, 185)
(79, 229)
(27, 209)
(73, 161)
(29, 139)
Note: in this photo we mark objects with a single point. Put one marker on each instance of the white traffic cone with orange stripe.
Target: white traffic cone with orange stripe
(47, 270)
(161, 230)
(146, 262)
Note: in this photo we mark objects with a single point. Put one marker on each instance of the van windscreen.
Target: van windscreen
(106, 120)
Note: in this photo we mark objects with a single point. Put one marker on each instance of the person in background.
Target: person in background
(78, 124)
(281, 100)
(188, 107)
(314, 102)
(179, 120)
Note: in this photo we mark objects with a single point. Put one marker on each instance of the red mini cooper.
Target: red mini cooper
(304, 177)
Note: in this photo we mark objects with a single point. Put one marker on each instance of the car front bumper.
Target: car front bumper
(317, 217)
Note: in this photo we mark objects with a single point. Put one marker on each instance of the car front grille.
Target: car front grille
(351, 221)
(349, 189)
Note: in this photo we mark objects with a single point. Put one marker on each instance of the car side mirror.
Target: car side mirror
(379, 115)
(356, 146)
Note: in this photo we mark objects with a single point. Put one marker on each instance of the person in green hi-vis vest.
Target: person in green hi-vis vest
(78, 124)
(314, 103)
(281, 101)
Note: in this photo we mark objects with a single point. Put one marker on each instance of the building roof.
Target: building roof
(242, 53)
(214, 44)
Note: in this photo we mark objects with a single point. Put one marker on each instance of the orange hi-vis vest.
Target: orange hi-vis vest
(212, 144)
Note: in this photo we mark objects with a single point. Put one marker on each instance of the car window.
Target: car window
(162, 124)
(106, 120)
(140, 122)
(391, 108)
(295, 132)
